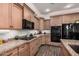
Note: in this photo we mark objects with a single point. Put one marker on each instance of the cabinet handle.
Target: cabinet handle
(11, 26)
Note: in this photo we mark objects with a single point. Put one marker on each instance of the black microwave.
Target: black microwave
(27, 24)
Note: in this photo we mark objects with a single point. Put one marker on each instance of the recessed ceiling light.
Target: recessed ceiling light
(69, 6)
(47, 10)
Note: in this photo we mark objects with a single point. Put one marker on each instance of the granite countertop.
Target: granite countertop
(11, 45)
(67, 42)
(14, 43)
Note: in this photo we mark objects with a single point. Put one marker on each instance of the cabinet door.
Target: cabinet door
(68, 18)
(56, 20)
(4, 15)
(41, 24)
(76, 17)
(47, 38)
(39, 42)
(47, 24)
(23, 50)
(34, 46)
(43, 41)
(27, 13)
(36, 23)
(16, 16)
(13, 52)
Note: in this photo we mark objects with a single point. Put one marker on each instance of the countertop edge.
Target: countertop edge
(68, 48)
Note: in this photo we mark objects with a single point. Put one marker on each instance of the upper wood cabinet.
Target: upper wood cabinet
(4, 15)
(16, 16)
(41, 24)
(10, 16)
(56, 21)
(70, 18)
(63, 19)
(36, 23)
(46, 24)
(28, 14)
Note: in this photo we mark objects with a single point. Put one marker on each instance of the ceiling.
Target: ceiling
(54, 7)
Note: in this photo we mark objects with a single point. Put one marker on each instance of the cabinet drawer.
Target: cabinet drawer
(13, 52)
(23, 50)
(22, 46)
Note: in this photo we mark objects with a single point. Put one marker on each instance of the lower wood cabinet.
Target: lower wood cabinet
(47, 39)
(30, 48)
(23, 50)
(34, 46)
(13, 52)
(64, 51)
(43, 41)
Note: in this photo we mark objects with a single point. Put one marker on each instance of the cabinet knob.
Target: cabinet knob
(11, 26)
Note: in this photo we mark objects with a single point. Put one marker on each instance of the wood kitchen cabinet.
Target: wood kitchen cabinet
(34, 46)
(47, 39)
(47, 24)
(76, 17)
(36, 22)
(63, 19)
(13, 52)
(43, 40)
(11, 16)
(56, 20)
(64, 51)
(5, 15)
(70, 18)
(28, 13)
(41, 23)
(24, 50)
(16, 16)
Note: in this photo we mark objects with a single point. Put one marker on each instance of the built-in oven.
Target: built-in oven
(55, 33)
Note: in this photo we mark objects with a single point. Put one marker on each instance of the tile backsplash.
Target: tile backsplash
(6, 34)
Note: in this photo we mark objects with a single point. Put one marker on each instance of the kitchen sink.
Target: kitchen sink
(75, 48)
